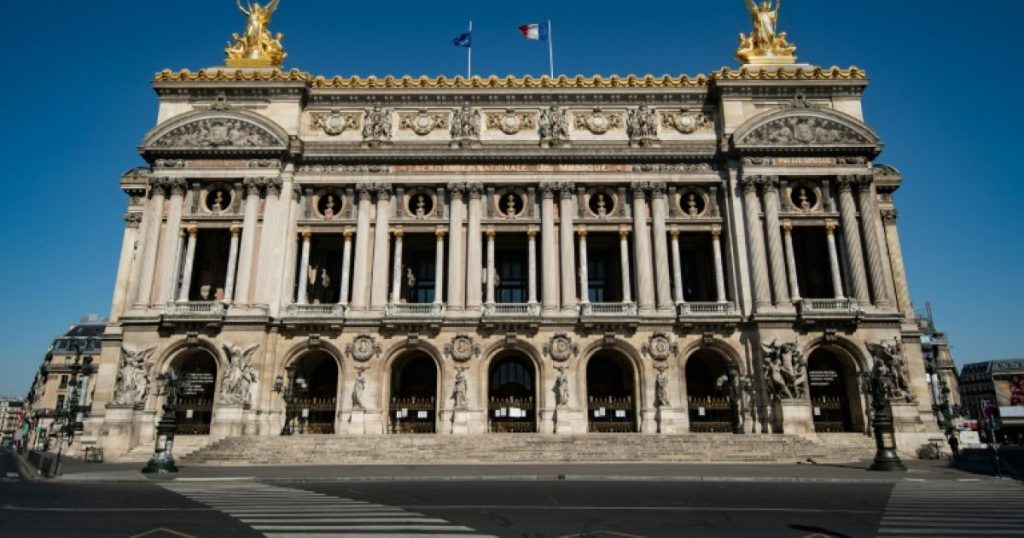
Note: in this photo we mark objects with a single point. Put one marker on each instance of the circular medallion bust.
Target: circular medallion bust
(363, 348)
(462, 348)
(560, 347)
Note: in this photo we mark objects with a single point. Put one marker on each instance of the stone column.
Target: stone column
(439, 267)
(677, 266)
(755, 238)
(396, 271)
(141, 286)
(456, 250)
(716, 247)
(379, 285)
(229, 283)
(248, 244)
(584, 277)
(775, 251)
(474, 256)
(126, 265)
(892, 238)
(186, 272)
(851, 238)
(361, 262)
(304, 269)
(490, 266)
(291, 247)
(642, 251)
(531, 273)
(627, 286)
(170, 245)
(787, 232)
(547, 237)
(871, 220)
(346, 265)
(267, 267)
(566, 247)
(662, 269)
(833, 259)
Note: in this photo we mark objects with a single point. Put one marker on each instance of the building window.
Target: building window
(60, 401)
(63, 381)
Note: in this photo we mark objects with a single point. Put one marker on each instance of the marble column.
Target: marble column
(346, 265)
(243, 290)
(126, 265)
(290, 259)
(361, 263)
(871, 221)
(677, 266)
(627, 284)
(531, 256)
(755, 238)
(851, 238)
(229, 283)
(456, 249)
(266, 273)
(186, 272)
(776, 255)
(170, 247)
(474, 244)
(145, 267)
(716, 248)
(439, 267)
(396, 271)
(490, 266)
(892, 238)
(642, 251)
(566, 248)
(304, 269)
(548, 243)
(833, 259)
(662, 268)
(381, 268)
(787, 233)
(584, 277)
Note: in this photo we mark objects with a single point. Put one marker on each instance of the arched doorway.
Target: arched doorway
(197, 381)
(611, 396)
(835, 398)
(511, 394)
(709, 396)
(315, 393)
(413, 404)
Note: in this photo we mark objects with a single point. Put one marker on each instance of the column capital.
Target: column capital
(531, 232)
(347, 232)
(490, 233)
(581, 231)
(253, 185)
(440, 232)
(307, 235)
(769, 183)
(474, 190)
(639, 188)
(845, 183)
(177, 186)
(159, 184)
(383, 191)
(296, 191)
(365, 191)
(193, 230)
(235, 230)
(457, 190)
(398, 232)
(750, 183)
(132, 220)
(787, 226)
(716, 231)
(565, 189)
(624, 232)
(830, 226)
(673, 231)
(864, 180)
(547, 189)
(658, 189)
(889, 216)
(273, 185)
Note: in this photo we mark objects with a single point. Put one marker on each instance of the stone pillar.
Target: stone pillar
(677, 266)
(662, 269)
(248, 245)
(229, 283)
(871, 220)
(787, 232)
(833, 259)
(892, 238)
(439, 267)
(584, 277)
(267, 269)
(566, 247)
(490, 266)
(456, 250)
(304, 269)
(716, 247)
(531, 256)
(379, 285)
(290, 258)
(547, 237)
(755, 239)
(396, 271)
(141, 286)
(361, 262)
(346, 265)
(186, 272)
(474, 256)
(130, 243)
(627, 286)
(775, 251)
(170, 245)
(642, 251)
(851, 238)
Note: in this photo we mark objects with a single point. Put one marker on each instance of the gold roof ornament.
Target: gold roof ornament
(765, 46)
(257, 47)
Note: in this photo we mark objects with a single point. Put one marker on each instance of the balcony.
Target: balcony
(413, 315)
(317, 310)
(609, 315)
(713, 314)
(512, 315)
(194, 312)
(828, 309)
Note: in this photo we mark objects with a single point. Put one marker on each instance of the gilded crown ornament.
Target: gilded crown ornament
(765, 45)
(257, 47)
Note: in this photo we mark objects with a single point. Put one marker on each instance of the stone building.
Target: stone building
(646, 255)
(998, 384)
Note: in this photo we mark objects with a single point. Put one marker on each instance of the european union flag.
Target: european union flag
(464, 40)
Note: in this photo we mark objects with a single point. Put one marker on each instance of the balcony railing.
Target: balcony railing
(198, 309)
(414, 310)
(512, 310)
(317, 310)
(828, 307)
(608, 310)
(707, 309)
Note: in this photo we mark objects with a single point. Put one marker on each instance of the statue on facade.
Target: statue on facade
(661, 387)
(465, 126)
(133, 377)
(642, 125)
(235, 387)
(359, 387)
(888, 355)
(766, 45)
(561, 387)
(461, 390)
(377, 126)
(257, 47)
(554, 128)
(785, 370)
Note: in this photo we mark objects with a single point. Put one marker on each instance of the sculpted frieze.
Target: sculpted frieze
(803, 131)
(335, 122)
(422, 122)
(687, 122)
(598, 122)
(217, 133)
(511, 122)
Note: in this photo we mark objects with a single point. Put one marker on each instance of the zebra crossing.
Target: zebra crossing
(955, 508)
(282, 512)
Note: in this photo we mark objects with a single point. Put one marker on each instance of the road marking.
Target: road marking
(456, 507)
(13, 475)
(961, 508)
(163, 530)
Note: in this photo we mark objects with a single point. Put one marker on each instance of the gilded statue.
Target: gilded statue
(765, 45)
(257, 47)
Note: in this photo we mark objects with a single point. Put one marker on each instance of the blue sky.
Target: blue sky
(76, 101)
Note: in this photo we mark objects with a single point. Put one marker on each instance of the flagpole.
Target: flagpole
(469, 52)
(551, 50)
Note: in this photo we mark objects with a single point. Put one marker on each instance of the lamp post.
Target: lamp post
(162, 460)
(288, 393)
(69, 417)
(877, 384)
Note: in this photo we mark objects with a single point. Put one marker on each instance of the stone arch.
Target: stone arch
(710, 404)
(316, 411)
(629, 362)
(217, 130)
(723, 347)
(393, 358)
(530, 355)
(195, 404)
(834, 387)
(800, 126)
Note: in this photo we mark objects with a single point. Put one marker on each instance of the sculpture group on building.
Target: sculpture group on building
(785, 371)
(257, 47)
(133, 377)
(236, 387)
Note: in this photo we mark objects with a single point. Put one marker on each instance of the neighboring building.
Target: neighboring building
(996, 383)
(510, 255)
(941, 371)
(54, 384)
(11, 413)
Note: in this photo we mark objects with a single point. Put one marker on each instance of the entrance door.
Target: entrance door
(710, 404)
(413, 406)
(316, 380)
(197, 375)
(511, 407)
(830, 392)
(611, 404)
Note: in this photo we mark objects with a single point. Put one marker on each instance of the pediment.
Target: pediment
(805, 128)
(213, 130)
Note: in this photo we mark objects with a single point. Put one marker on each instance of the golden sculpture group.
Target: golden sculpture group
(765, 46)
(257, 47)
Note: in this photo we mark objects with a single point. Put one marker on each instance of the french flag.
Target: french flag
(536, 32)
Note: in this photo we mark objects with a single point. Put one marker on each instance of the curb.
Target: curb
(555, 478)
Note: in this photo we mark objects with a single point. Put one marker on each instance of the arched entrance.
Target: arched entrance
(709, 396)
(413, 403)
(611, 396)
(197, 380)
(315, 393)
(511, 394)
(835, 398)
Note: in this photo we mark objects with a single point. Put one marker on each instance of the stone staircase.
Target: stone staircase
(529, 448)
(184, 445)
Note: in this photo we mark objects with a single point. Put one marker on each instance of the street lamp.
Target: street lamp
(288, 393)
(69, 417)
(162, 460)
(877, 384)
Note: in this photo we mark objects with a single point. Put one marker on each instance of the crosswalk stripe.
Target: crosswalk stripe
(947, 508)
